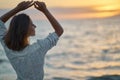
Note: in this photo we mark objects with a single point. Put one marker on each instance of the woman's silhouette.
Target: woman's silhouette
(27, 60)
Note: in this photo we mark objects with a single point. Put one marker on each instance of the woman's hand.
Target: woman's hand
(24, 5)
(21, 6)
(55, 24)
(40, 6)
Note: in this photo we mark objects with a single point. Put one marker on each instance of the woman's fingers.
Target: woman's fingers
(26, 4)
(29, 3)
(40, 6)
(35, 6)
(39, 3)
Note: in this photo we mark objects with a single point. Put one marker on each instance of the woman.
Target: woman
(27, 60)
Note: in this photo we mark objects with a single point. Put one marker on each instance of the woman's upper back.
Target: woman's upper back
(29, 62)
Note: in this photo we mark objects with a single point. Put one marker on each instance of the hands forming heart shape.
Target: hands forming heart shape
(26, 4)
(39, 6)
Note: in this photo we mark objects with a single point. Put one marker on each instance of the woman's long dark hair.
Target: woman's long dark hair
(16, 37)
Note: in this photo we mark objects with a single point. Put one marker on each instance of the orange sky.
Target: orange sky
(65, 3)
(96, 8)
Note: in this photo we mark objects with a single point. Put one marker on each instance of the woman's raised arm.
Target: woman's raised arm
(42, 7)
(21, 6)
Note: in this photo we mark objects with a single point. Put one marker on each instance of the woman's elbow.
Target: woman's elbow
(60, 32)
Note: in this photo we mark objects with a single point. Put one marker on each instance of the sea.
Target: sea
(89, 48)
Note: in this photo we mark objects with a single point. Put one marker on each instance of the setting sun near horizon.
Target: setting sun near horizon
(85, 8)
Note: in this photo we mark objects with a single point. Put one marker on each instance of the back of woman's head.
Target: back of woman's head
(16, 37)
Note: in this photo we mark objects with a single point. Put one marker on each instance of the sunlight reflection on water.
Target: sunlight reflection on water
(87, 48)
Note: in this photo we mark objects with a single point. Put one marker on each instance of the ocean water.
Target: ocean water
(88, 48)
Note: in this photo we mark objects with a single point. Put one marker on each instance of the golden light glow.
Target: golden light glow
(63, 3)
(107, 7)
(87, 15)
(107, 10)
(100, 9)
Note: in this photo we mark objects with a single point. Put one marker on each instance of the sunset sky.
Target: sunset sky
(78, 8)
